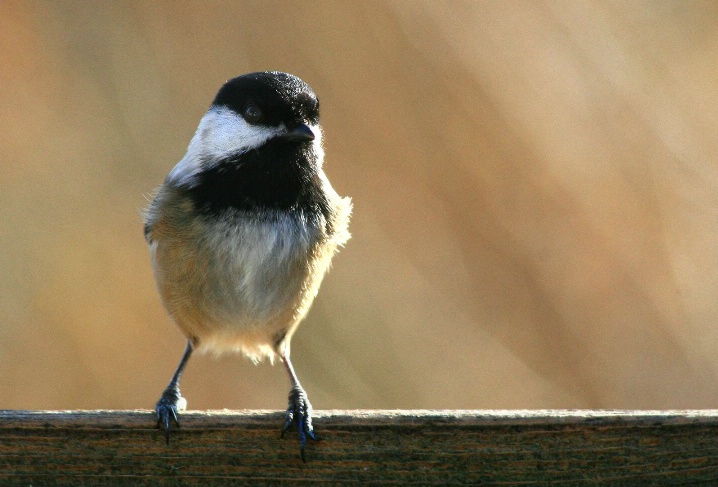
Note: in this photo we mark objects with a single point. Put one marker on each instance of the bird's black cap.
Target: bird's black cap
(281, 97)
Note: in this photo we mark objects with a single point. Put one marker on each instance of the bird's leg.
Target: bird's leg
(299, 411)
(172, 401)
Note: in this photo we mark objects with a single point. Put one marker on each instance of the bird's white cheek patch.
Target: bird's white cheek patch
(184, 172)
(221, 133)
(318, 142)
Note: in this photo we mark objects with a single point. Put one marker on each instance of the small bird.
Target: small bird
(243, 230)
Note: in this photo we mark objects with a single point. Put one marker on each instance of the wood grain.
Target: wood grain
(560, 447)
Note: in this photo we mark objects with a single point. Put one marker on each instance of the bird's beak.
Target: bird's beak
(299, 133)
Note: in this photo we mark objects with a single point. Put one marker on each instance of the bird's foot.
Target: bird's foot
(168, 407)
(299, 412)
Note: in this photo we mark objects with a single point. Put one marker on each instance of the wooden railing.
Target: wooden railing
(557, 447)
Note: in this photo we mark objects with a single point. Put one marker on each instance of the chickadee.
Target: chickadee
(244, 228)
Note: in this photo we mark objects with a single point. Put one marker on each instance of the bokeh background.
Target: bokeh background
(535, 188)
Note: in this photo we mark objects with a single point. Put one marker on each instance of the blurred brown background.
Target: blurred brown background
(535, 189)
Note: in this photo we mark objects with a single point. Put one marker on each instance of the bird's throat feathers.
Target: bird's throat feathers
(278, 176)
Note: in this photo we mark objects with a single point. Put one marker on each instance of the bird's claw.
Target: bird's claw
(168, 408)
(299, 412)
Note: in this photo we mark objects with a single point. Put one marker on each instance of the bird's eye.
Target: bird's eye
(252, 113)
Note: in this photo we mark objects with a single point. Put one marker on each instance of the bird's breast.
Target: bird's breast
(239, 274)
